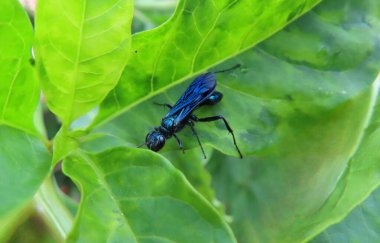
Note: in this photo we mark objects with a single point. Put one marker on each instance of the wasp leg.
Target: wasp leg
(164, 104)
(215, 118)
(191, 124)
(179, 143)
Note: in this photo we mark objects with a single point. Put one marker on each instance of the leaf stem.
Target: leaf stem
(52, 211)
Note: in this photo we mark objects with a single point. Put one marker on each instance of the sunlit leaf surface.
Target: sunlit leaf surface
(136, 196)
(19, 89)
(82, 47)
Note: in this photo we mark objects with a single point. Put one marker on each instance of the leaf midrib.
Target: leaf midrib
(79, 49)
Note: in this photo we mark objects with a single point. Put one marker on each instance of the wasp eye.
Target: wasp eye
(155, 141)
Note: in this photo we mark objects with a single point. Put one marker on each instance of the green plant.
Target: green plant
(304, 108)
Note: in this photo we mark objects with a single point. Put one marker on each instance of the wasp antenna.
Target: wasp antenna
(229, 69)
(141, 145)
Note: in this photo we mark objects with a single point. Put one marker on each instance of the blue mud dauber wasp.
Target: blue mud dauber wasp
(199, 93)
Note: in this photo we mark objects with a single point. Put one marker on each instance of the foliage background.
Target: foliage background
(304, 107)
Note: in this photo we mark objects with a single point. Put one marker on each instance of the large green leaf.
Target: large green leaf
(19, 90)
(300, 107)
(82, 48)
(132, 195)
(361, 225)
(294, 192)
(199, 35)
(297, 188)
(321, 158)
(24, 163)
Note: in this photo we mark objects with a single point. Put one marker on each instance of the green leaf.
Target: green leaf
(361, 225)
(135, 195)
(82, 48)
(300, 107)
(191, 164)
(319, 158)
(24, 163)
(299, 187)
(19, 89)
(200, 34)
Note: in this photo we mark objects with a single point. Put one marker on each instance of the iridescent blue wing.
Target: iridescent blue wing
(199, 90)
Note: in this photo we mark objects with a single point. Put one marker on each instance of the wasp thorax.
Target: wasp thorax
(168, 124)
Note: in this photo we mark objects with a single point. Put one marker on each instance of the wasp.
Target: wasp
(201, 92)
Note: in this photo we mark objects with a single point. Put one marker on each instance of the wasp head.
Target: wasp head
(155, 140)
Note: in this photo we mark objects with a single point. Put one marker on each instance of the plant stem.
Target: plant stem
(51, 209)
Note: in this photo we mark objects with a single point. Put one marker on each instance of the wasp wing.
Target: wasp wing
(199, 90)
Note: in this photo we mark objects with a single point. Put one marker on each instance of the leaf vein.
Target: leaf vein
(67, 16)
(11, 88)
(102, 54)
(103, 13)
(197, 52)
(59, 51)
